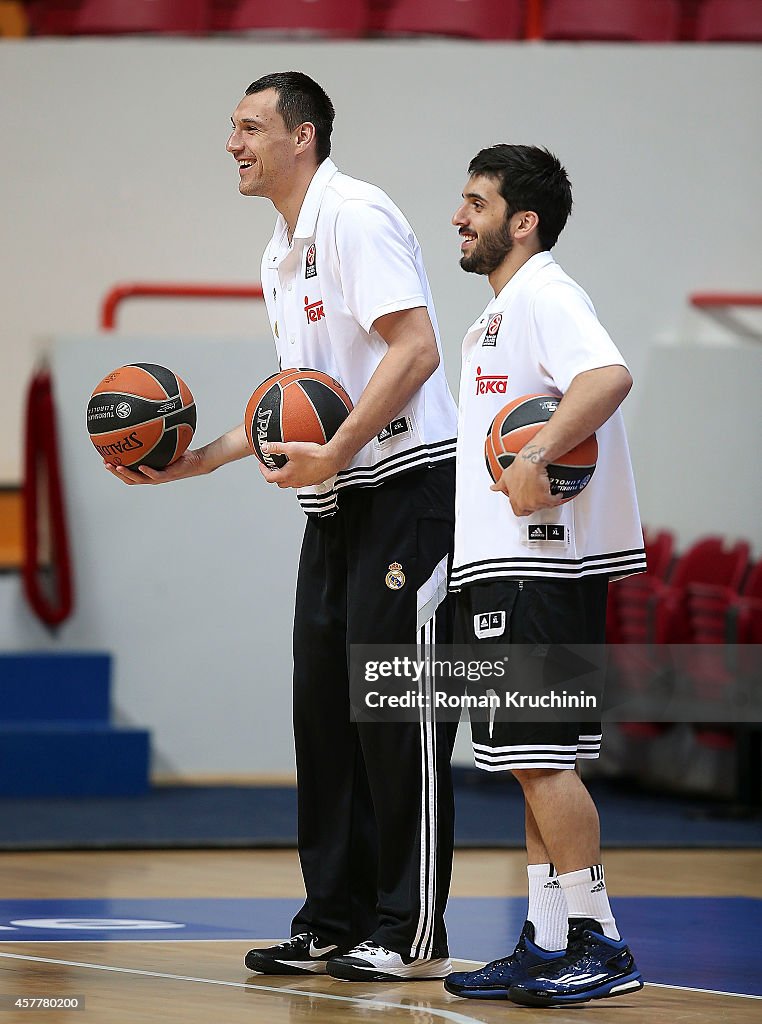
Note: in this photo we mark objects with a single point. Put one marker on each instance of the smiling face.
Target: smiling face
(262, 146)
(484, 227)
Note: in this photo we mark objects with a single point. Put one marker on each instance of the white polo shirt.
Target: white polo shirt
(353, 258)
(534, 338)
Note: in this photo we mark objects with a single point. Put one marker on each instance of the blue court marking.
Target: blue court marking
(708, 943)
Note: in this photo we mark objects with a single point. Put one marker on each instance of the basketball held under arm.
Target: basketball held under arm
(198, 462)
(592, 398)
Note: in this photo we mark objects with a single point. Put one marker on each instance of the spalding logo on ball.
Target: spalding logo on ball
(141, 415)
(294, 405)
(515, 426)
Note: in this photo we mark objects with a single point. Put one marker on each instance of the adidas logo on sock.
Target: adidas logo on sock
(598, 888)
(554, 884)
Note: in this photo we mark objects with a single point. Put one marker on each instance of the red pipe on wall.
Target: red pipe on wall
(151, 289)
(711, 300)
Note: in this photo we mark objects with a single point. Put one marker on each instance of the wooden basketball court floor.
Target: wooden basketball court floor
(151, 936)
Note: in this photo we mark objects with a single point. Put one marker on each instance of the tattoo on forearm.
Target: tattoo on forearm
(533, 453)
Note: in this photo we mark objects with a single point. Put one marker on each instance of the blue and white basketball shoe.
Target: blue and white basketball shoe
(593, 967)
(495, 979)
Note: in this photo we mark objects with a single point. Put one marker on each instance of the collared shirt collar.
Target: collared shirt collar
(527, 270)
(305, 224)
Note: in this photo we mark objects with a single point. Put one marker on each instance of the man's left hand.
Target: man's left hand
(526, 485)
(308, 463)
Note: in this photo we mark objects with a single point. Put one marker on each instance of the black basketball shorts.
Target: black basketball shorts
(546, 611)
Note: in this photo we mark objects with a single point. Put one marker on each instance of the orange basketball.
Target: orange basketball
(294, 405)
(141, 415)
(515, 426)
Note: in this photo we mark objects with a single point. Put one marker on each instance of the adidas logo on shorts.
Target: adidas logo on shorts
(488, 624)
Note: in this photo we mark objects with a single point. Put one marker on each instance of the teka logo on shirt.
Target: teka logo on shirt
(310, 265)
(490, 385)
(490, 335)
(314, 310)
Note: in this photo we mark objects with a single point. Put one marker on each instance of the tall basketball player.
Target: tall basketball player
(375, 800)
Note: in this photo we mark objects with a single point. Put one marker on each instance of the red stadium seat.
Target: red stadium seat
(652, 612)
(117, 17)
(617, 21)
(750, 621)
(631, 608)
(659, 549)
(709, 561)
(752, 585)
(713, 616)
(729, 21)
(334, 18)
(714, 610)
(625, 620)
(52, 17)
(472, 19)
(720, 615)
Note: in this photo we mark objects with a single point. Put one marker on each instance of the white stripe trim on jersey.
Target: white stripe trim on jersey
(422, 452)
(614, 563)
(605, 556)
(418, 458)
(612, 572)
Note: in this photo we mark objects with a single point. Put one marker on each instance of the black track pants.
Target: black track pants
(375, 800)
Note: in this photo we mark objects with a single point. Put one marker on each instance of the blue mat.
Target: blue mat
(489, 813)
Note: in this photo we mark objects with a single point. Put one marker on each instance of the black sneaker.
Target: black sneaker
(494, 980)
(593, 967)
(301, 954)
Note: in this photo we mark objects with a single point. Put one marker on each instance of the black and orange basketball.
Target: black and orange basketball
(515, 426)
(141, 415)
(294, 405)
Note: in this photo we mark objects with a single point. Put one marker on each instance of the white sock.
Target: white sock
(586, 896)
(547, 907)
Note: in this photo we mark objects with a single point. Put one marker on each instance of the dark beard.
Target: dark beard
(489, 252)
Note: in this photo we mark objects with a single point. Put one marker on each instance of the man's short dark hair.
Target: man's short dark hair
(300, 99)
(529, 178)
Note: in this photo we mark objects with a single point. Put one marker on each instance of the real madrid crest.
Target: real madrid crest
(395, 578)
